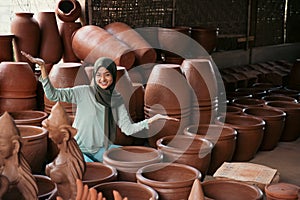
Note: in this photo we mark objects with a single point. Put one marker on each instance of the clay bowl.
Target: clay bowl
(231, 190)
(170, 180)
(29, 117)
(247, 102)
(97, 173)
(128, 159)
(131, 190)
(281, 191)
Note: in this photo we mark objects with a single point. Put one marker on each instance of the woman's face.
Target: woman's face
(104, 78)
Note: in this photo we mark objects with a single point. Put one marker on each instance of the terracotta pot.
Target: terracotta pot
(170, 180)
(34, 146)
(274, 119)
(293, 81)
(279, 97)
(133, 191)
(27, 36)
(91, 42)
(232, 110)
(207, 37)
(128, 159)
(256, 92)
(97, 173)
(281, 191)
(195, 152)
(248, 102)
(291, 129)
(285, 91)
(6, 43)
(250, 132)
(29, 117)
(68, 10)
(233, 190)
(144, 53)
(223, 139)
(237, 94)
(51, 47)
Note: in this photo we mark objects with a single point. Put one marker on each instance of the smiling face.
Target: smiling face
(103, 78)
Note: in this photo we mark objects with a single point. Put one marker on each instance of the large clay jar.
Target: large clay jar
(144, 53)
(223, 139)
(207, 37)
(27, 36)
(168, 93)
(34, 146)
(91, 42)
(97, 173)
(170, 180)
(195, 152)
(291, 130)
(282, 191)
(250, 132)
(231, 190)
(248, 102)
(6, 44)
(68, 10)
(274, 119)
(17, 87)
(29, 117)
(128, 159)
(133, 191)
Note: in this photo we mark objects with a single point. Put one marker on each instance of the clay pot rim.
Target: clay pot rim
(160, 184)
(38, 176)
(253, 102)
(280, 97)
(113, 173)
(24, 13)
(63, 1)
(43, 133)
(6, 36)
(42, 115)
(280, 195)
(68, 65)
(14, 62)
(278, 114)
(284, 105)
(261, 123)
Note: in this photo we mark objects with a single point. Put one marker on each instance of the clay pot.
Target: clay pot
(207, 37)
(144, 53)
(233, 190)
(288, 92)
(133, 191)
(248, 102)
(279, 97)
(128, 159)
(274, 119)
(27, 36)
(6, 43)
(256, 92)
(223, 139)
(293, 81)
(170, 180)
(250, 132)
(232, 110)
(51, 47)
(97, 173)
(91, 42)
(68, 10)
(29, 117)
(195, 152)
(291, 129)
(34, 146)
(281, 191)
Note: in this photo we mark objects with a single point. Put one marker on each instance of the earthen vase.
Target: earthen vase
(250, 132)
(144, 53)
(128, 159)
(29, 117)
(248, 102)
(170, 180)
(274, 119)
(133, 191)
(223, 139)
(91, 42)
(281, 191)
(6, 43)
(207, 37)
(68, 10)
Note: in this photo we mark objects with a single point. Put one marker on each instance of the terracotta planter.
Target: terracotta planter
(133, 191)
(207, 37)
(128, 159)
(29, 117)
(282, 191)
(6, 43)
(279, 97)
(274, 119)
(34, 146)
(97, 173)
(195, 152)
(248, 102)
(223, 139)
(170, 180)
(91, 42)
(233, 190)
(68, 10)
(250, 132)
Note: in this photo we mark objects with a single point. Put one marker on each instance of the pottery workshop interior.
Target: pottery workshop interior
(150, 99)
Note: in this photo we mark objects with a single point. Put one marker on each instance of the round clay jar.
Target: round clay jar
(281, 191)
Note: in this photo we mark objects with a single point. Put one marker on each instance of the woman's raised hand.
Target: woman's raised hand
(38, 61)
(160, 116)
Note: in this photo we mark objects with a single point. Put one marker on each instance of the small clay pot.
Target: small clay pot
(97, 173)
(68, 10)
(247, 102)
(256, 92)
(285, 91)
(282, 191)
(170, 180)
(279, 97)
(133, 191)
(6, 43)
(233, 110)
(29, 117)
(206, 36)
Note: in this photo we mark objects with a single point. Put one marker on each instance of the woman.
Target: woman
(99, 108)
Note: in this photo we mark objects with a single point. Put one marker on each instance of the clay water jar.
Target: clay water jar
(282, 191)
(274, 119)
(223, 139)
(279, 97)
(128, 159)
(68, 10)
(34, 146)
(133, 191)
(195, 152)
(250, 132)
(6, 43)
(207, 37)
(29, 117)
(231, 190)
(248, 102)
(291, 129)
(97, 173)
(170, 180)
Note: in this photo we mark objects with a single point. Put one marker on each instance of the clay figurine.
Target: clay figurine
(197, 191)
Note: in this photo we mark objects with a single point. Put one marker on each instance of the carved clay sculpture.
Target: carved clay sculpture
(14, 167)
(69, 164)
(197, 191)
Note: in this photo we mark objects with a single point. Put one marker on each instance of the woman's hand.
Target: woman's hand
(161, 117)
(38, 61)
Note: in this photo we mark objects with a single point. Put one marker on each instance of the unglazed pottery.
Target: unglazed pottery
(247, 102)
(281, 191)
(68, 10)
(6, 43)
(207, 37)
(29, 117)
